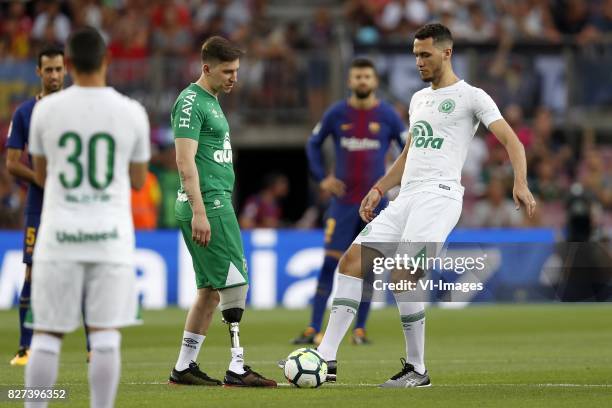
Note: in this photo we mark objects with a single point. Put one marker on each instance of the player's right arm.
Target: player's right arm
(15, 146)
(316, 163)
(185, 159)
(15, 166)
(391, 179)
(186, 126)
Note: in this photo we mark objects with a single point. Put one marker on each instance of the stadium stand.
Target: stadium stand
(545, 62)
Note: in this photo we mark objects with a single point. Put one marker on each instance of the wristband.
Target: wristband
(379, 191)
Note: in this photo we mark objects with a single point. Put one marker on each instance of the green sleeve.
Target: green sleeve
(186, 120)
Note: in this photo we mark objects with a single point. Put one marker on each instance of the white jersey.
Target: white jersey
(442, 123)
(88, 136)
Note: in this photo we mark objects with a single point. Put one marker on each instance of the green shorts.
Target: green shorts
(221, 264)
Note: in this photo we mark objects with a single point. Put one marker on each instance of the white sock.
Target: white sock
(344, 308)
(237, 363)
(190, 348)
(412, 315)
(104, 367)
(41, 370)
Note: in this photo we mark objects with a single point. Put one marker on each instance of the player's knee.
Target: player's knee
(344, 264)
(214, 298)
(350, 263)
(233, 315)
(46, 342)
(207, 298)
(104, 340)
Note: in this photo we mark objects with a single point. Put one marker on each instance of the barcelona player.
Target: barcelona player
(50, 68)
(362, 128)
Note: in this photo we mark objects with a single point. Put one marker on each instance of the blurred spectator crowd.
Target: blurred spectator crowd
(553, 21)
(288, 71)
(559, 171)
(158, 41)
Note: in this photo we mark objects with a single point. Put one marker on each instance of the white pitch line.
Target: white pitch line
(524, 385)
(348, 385)
(546, 385)
(354, 362)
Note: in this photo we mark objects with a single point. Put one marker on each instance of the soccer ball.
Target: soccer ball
(305, 368)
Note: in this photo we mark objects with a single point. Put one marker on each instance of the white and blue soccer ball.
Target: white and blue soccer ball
(305, 368)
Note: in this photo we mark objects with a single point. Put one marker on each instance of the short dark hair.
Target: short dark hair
(362, 62)
(86, 49)
(219, 49)
(439, 33)
(49, 51)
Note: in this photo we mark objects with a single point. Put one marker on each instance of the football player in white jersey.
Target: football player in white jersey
(443, 120)
(89, 144)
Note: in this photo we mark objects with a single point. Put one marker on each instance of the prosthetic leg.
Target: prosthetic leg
(232, 304)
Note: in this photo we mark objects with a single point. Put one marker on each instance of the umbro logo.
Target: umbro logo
(187, 342)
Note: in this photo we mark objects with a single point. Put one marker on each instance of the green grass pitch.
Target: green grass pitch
(483, 356)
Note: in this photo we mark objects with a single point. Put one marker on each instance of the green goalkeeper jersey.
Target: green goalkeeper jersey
(197, 115)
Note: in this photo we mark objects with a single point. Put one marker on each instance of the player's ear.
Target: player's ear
(448, 52)
(206, 69)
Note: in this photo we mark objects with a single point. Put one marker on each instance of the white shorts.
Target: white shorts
(424, 217)
(104, 293)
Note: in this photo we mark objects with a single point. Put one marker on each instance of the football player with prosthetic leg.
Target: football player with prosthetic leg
(206, 216)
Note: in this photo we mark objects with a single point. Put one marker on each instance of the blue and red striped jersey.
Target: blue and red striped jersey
(361, 140)
(18, 139)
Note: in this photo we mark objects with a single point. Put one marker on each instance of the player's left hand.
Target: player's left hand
(368, 204)
(522, 195)
(200, 229)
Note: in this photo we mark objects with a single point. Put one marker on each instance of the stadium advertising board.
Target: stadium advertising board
(283, 266)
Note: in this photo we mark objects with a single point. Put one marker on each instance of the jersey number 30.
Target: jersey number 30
(74, 142)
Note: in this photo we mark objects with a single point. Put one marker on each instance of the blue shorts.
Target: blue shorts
(32, 222)
(343, 223)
